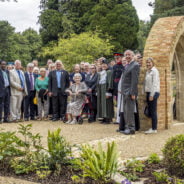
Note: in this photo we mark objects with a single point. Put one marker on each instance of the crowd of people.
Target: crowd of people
(92, 91)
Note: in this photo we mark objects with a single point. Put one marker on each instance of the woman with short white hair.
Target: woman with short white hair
(41, 86)
(77, 92)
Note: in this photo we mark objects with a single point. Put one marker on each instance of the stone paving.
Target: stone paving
(138, 145)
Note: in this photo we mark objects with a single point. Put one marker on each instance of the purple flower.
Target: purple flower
(126, 181)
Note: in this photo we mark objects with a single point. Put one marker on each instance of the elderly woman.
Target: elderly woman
(152, 89)
(41, 86)
(76, 69)
(77, 91)
(36, 71)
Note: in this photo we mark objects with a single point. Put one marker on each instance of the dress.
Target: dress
(105, 108)
(75, 106)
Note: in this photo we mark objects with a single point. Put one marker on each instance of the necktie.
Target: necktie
(31, 81)
(21, 81)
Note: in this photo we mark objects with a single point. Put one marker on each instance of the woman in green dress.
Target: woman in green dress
(105, 107)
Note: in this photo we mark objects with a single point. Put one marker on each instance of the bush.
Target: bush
(9, 147)
(161, 177)
(98, 164)
(173, 153)
(154, 159)
(59, 150)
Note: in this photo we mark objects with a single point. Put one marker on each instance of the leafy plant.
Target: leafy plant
(134, 165)
(98, 164)
(8, 147)
(161, 177)
(130, 176)
(59, 150)
(173, 153)
(154, 159)
(33, 157)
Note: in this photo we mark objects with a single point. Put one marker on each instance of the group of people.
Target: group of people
(91, 91)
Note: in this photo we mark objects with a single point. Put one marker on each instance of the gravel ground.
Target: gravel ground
(138, 145)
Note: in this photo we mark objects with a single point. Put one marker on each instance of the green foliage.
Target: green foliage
(84, 47)
(132, 167)
(142, 35)
(9, 143)
(173, 153)
(161, 177)
(167, 8)
(115, 18)
(98, 164)
(33, 157)
(59, 150)
(23, 46)
(154, 159)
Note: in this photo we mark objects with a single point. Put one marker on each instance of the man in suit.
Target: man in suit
(129, 90)
(4, 92)
(18, 91)
(58, 83)
(29, 108)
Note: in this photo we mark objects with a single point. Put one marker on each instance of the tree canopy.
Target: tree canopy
(167, 8)
(86, 46)
(117, 19)
(24, 46)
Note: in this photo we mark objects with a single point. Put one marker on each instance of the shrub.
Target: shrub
(173, 153)
(33, 157)
(98, 164)
(132, 167)
(9, 149)
(161, 177)
(59, 150)
(154, 159)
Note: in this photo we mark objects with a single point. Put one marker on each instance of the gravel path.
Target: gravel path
(138, 145)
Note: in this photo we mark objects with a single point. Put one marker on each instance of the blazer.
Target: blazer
(91, 82)
(129, 82)
(2, 87)
(53, 88)
(28, 84)
(15, 83)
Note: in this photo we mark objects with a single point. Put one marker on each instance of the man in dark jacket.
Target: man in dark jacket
(29, 107)
(58, 83)
(129, 90)
(4, 92)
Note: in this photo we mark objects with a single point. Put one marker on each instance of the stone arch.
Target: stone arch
(165, 44)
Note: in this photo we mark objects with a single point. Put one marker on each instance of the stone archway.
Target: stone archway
(165, 44)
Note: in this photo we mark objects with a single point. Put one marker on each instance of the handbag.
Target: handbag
(146, 112)
(35, 101)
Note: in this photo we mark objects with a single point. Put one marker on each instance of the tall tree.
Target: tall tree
(164, 8)
(115, 18)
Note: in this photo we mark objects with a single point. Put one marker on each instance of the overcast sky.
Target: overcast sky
(24, 14)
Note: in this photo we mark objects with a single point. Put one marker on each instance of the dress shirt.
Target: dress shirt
(58, 75)
(21, 78)
(103, 77)
(6, 82)
(152, 81)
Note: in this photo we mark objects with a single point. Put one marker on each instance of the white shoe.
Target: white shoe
(74, 121)
(69, 121)
(150, 131)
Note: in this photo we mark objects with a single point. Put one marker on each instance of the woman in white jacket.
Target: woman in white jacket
(152, 89)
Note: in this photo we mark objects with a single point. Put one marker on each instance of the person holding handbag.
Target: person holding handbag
(152, 89)
(41, 86)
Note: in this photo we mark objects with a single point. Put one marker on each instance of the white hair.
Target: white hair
(77, 75)
(17, 61)
(60, 62)
(30, 65)
(36, 68)
(132, 53)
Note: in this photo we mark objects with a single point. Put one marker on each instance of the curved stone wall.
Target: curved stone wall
(165, 44)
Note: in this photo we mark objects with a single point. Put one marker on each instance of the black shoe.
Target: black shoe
(32, 119)
(116, 123)
(55, 119)
(26, 119)
(118, 130)
(6, 121)
(128, 132)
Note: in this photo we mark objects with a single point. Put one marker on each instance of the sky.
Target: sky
(24, 13)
